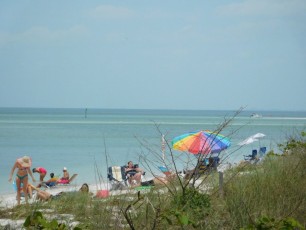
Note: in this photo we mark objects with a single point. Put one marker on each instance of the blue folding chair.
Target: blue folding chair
(252, 156)
(262, 151)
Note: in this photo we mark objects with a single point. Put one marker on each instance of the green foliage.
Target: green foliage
(187, 207)
(294, 143)
(181, 218)
(37, 221)
(273, 154)
(268, 223)
(192, 199)
(276, 187)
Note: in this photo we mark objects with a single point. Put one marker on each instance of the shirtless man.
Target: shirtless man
(133, 173)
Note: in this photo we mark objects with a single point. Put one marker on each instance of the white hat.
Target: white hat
(64, 169)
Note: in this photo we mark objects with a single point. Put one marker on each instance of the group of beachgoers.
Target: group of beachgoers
(23, 187)
(23, 165)
(134, 175)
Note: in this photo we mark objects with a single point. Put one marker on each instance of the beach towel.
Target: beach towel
(143, 188)
(117, 177)
(116, 170)
(63, 181)
(164, 170)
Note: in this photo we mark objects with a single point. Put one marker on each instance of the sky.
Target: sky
(199, 55)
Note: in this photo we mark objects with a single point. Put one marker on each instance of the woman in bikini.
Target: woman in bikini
(23, 169)
(65, 178)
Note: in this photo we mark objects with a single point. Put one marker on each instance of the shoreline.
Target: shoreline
(8, 200)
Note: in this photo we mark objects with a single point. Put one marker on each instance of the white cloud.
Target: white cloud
(111, 12)
(43, 34)
(263, 7)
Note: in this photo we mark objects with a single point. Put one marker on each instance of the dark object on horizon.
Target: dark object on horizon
(256, 115)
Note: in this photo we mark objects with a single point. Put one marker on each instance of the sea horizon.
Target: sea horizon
(94, 111)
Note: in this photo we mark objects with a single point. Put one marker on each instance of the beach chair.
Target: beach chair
(69, 181)
(251, 157)
(72, 178)
(262, 151)
(117, 177)
(202, 169)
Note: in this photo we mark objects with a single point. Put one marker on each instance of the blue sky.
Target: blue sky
(153, 54)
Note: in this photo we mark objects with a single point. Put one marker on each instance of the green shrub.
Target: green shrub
(267, 223)
(37, 221)
(275, 188)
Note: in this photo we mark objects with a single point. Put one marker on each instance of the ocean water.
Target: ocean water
(87, 141)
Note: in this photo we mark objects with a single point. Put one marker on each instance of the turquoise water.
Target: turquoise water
(55, 138)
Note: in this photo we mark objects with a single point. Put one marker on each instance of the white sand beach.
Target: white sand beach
(9, 200)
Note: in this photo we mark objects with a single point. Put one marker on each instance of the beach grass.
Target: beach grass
(270, 191)
(267, 195)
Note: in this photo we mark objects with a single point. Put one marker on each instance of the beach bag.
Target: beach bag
(102, 194)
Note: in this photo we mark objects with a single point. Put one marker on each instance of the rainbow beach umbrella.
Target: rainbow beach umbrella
(204, 142)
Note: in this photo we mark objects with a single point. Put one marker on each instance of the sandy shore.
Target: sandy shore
(9, 200)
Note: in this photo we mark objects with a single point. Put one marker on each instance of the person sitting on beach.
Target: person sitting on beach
(23, 165)
(157, 180)
(215, 160)
(42, 172)
(133, 173)
(202, 168)
(65, 178)
(46, 196)
(29, 190)
(49, 183)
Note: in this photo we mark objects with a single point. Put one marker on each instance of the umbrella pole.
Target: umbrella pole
(163, 147)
